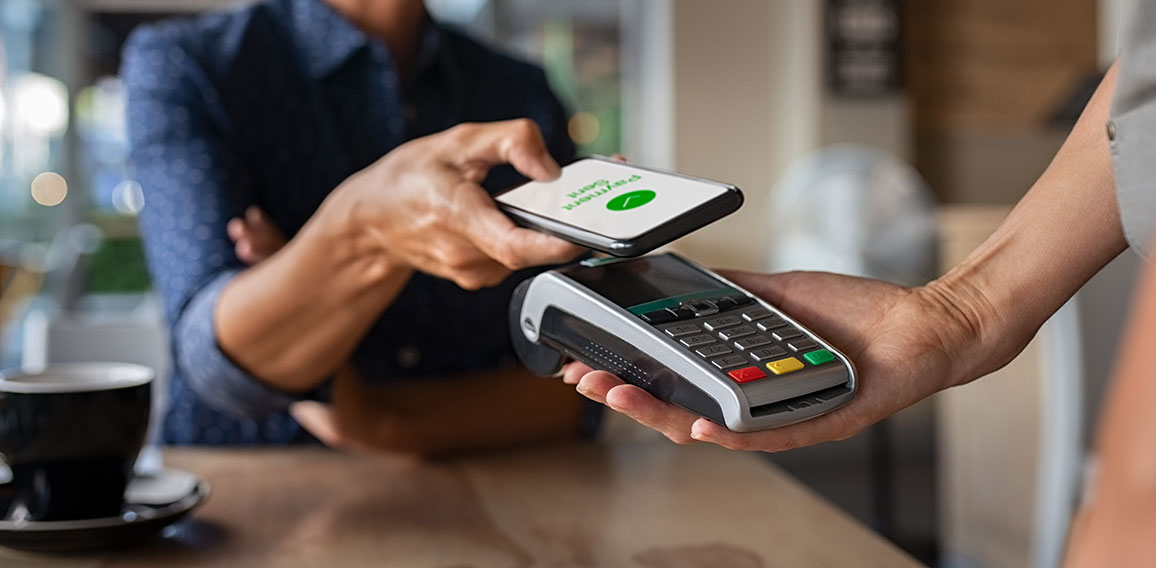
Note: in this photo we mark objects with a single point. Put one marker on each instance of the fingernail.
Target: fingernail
(552, 166)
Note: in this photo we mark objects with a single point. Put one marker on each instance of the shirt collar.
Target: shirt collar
(326, 39)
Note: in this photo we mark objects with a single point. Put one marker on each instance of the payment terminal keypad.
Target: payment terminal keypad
(740, 339)
(773, 322)
(768, 353)
(720, 323)
(748, 343)
(713, 350)
(736, 332)
(696, 340)
(785, 333)
(681, 330)
(802, 344)
(730, 361)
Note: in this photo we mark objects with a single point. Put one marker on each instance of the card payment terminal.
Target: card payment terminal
(684, 334)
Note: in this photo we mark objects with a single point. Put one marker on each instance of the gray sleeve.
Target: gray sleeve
(1132, 130)
(216, 379)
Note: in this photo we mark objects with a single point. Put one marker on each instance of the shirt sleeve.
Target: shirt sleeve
(192, 185)
(1132, 130)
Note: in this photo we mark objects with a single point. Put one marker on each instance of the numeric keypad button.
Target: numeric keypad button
(712, 351)
(751, 342)
(802, 344)
(773, 322)
(721, 323)
(765, 353)
(677, 331)
(729, 361)
(732, 333)
(697, 340)
(786, 333)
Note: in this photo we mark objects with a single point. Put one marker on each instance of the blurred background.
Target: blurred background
(876, 137)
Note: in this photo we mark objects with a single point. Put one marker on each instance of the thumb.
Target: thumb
(773, 288)
(516, 142)
(514, 247)
(797, 294)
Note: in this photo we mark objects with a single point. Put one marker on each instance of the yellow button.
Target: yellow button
(784, 366)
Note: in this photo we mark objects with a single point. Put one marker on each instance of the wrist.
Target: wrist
(990, 315)
(340, 231)
(968, 323)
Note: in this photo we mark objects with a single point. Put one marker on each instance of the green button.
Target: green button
(631, 200)
(819, 357)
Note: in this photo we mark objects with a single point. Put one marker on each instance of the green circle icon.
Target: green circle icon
(631, 200)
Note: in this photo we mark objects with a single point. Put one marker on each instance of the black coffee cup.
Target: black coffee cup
(71, 434)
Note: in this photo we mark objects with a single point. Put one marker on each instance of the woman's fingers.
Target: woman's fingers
(594, 385)
(600, 386)
(574, 371)
(673, 422)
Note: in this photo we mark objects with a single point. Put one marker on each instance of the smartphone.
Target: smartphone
(620, 209)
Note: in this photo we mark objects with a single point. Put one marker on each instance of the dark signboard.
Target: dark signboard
(863, 47)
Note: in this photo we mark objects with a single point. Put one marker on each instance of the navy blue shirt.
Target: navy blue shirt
(274, 105)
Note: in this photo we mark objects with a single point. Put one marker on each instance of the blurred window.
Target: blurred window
(578, 43)
(63, 147)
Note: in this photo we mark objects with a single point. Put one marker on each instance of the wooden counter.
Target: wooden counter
(635, 501)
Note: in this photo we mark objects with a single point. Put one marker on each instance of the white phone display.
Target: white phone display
(620, 209)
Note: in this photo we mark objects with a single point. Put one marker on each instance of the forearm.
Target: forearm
(294, 318)
(474, 411)
(1060, 234)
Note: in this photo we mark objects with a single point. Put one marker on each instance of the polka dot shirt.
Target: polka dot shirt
(274, 104)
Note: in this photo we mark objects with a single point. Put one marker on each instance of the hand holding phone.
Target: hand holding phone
(619, 209)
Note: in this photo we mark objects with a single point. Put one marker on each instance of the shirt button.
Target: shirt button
(408, 356)
(1111, 130)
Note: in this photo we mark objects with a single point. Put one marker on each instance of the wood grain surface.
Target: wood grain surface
(637, 501)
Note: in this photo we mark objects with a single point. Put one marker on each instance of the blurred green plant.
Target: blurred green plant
(582, 63)
(118, 266)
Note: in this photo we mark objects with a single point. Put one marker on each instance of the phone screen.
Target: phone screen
(612, 199)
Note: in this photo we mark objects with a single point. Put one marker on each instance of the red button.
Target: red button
(746, 375)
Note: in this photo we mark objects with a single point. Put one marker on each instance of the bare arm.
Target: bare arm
(295, 317)
(1058, 236)
(423, 417)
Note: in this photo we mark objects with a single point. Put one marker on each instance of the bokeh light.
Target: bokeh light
(40, 103)
(49, 189)
(583, 128)
(127, 197)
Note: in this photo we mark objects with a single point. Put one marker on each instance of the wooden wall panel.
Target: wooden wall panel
(996, 64)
